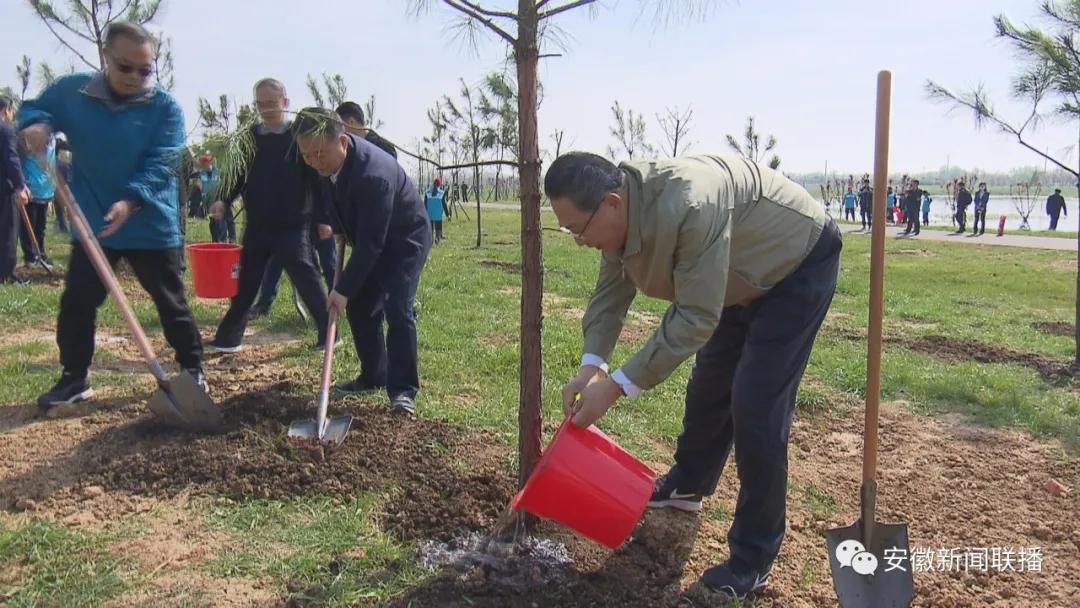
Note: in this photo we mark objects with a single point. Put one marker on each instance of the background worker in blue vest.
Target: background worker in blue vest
(849, 204)
(126, 137)
(378, 209)
(38, 170)
(280, 206)
(435, 202)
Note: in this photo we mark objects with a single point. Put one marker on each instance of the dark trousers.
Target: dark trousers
(926, 217)
(292, 248)
(849, 213)
(1054, 217)
(38, 212)
(911, 214)
(58, 209)
(224, 230)
(325, 250)
(742, 392)
(159, 273)
(9, 234)
(389, 292)
(980, 216)
(436, 226)
(865, 215)
(961, 219)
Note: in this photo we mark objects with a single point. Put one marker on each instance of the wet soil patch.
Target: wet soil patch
(959, 349)
(1055, 328)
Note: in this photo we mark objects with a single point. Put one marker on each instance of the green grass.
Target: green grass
(468, 328)
(326, 549)
(1010, 229)
(48, 564)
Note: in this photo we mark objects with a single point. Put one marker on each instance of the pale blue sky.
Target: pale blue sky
(805, 69)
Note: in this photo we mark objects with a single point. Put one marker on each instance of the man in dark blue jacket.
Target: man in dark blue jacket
(126, 136)
(379, 211)
(13, 192)
(279, 201)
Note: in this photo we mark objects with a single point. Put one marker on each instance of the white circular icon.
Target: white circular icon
(864, 563)
(847, 550)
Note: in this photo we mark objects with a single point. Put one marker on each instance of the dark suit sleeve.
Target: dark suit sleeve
(371, 229)
(9, 156)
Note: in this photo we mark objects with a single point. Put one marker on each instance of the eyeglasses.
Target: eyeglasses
(123, 68)
(578, 235)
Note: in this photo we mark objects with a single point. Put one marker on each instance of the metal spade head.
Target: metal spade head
(182, 403)
(333, 433)
(878, 576)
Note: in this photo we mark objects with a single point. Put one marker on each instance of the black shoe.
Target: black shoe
(200, 378)
(14, 280)
(906, 232)
(403, 404)
(68, 390)
(666, 494)
(915, 234)
(734, 582)
(356, 387)
(221, 347)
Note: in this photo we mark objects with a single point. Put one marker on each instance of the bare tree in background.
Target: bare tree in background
(676, 127)
(163, 62)
(751, 148)
(1026, 197)
(83, 22)
(369, 113)
(464, 117)
(630, 134)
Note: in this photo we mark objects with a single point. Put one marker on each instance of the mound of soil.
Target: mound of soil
(959, 349)
(438, 476)
(1055, 328)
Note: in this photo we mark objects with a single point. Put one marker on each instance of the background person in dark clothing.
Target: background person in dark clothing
(963, 199)
(866, 202)
(13, 193)
(1055, 205)
(279, 202)
(912, 202)
(379, 210)
(982, 200)
(356, 123)
(126, 136)
(63, 168)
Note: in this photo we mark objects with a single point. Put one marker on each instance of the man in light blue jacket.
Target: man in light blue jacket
(126, 137)
(38, 171)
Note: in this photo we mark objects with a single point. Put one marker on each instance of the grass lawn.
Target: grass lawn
(468, 307)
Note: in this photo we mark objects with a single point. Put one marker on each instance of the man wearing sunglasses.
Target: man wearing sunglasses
(749, 261)
(126, 137)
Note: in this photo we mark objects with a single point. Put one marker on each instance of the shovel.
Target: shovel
(871, 561)
(327, 432)
(38, 253)
(179, 401)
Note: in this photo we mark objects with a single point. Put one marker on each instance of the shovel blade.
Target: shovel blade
(888, 586)
(184, 404)
(336, 429)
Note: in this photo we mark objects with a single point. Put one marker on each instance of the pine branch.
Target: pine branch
(551, 12)
(485, 21)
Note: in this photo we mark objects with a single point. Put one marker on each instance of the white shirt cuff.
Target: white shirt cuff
(632, 390)
(595, 361)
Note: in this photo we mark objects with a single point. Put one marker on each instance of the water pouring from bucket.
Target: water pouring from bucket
(588, 483)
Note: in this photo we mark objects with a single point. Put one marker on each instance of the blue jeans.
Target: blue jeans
(742, 392)
(326, 251)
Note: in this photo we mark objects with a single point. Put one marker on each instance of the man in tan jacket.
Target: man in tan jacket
(749, 261)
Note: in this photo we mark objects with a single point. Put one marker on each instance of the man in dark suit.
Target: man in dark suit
(13, 192)
(379, 211)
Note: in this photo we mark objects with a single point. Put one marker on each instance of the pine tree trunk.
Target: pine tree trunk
(526, 55)
(1076, 325)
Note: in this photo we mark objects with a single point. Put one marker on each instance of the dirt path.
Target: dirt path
(957, 485)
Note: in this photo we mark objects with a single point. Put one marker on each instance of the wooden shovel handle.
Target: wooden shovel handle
(877, 276)
(104, 271)
(29, 230)
(331, 325)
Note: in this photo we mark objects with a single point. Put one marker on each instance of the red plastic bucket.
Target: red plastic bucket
(587, 482)
(215, 269)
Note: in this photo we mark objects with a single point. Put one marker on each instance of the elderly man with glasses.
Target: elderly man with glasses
(749, 261)
(126, 136)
